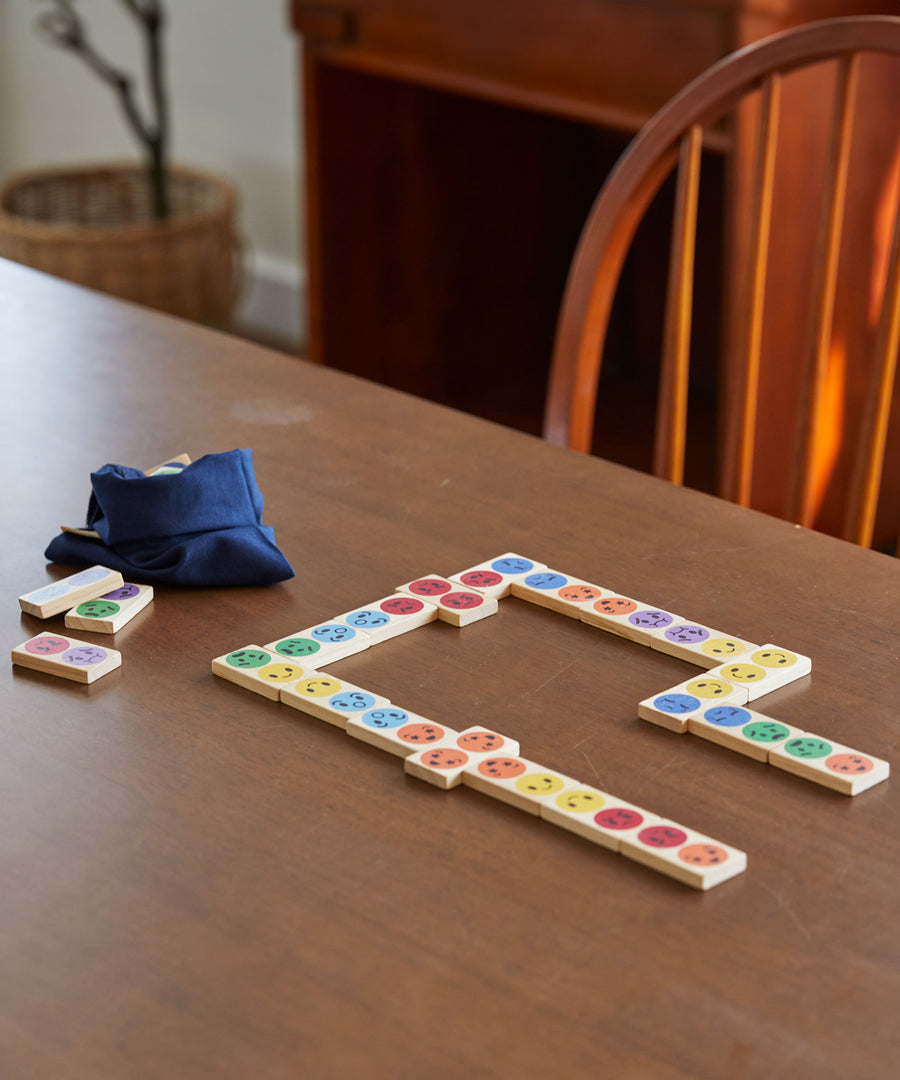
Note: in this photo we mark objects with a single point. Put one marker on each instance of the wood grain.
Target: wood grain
(198, 882)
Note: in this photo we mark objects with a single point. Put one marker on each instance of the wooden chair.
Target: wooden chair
(674, 139)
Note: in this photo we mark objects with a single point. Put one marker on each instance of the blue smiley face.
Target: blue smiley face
(385, 718)
(366, 619)
(727, 716)
(545, 579)
(333, 632)
(512, 566)
(676, 703)
(352, 701)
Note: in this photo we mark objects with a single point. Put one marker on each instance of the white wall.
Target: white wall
(234, 103)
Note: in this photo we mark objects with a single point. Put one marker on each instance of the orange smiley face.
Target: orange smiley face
(703, 855)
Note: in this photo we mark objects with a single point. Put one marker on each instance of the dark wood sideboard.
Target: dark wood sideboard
(452, 153)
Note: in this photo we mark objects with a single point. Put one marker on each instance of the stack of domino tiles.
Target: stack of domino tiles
(288, 670)
(58, 654)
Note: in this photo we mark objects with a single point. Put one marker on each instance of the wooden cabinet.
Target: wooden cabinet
(452, 153)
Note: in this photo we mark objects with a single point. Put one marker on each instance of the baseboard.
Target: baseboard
(272, 305)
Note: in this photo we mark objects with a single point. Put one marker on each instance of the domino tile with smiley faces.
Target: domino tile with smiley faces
(111, 611)
(68, 592)
(628, 618)
(701, 645)
(687, 856)
(516, 780)
(398, 731)
(260, 670)
(766, 669)
(673, 709)
(321, 644)
(456, 605)
(741, 729)
(556, 591)
(390, 616)
(444, 765)
(67, 657)
(331, 699)
(596, 815)
(829, 763)
(495, 577)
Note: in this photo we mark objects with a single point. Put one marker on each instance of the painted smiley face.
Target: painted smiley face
(615, 605)
(501, 768)
(352, 701)
(723, 647)
(774, 658)
(462, 601)
(280, 672)
(545, 579)
(444, 758)
(333, 632)
(618, 818)
(808, 747)
(686, 635)
(703, 855)
(126, 592)
(363, 620)
(579, 594)
(650, 620)
(662, 836)
(676, 703)
(97, 609)
(710, 688)
(420, 733)
(853, 764)
(480, 742)
(247, 658)
(402, 605)
(46, 645)
(430, 587)
(766, 731)
(726, 716)
(540, 784)
(512, 566)
(297, 646)
(383, 719)
(84, 655)
(580, 802)
(743, 673)
(88, 577)
(318, 687)
(481, 579)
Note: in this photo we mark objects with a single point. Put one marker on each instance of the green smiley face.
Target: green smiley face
(765, 731)
(247, 658)
(97, 609)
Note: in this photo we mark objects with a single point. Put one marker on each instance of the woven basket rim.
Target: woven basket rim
(14, 224)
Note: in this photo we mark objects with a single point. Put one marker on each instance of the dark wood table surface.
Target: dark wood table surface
(200, 883)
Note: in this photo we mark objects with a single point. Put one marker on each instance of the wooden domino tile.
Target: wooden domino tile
(111, 611)
(674, 708)
(444, 765)
(455, 605)
(558, 592)
(596, 815)
(330, 699)
(322, 644)
(68, 592)
(628, 618)
(495, 577)
(687, 856)
(737, 728)
(827, 762)
(768, 668)
(398, 731)
(259, 670)
(391, 616)
(66, 657)
(515, 780)
(698, 644)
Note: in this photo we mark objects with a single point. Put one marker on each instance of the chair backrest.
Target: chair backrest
(673, 140)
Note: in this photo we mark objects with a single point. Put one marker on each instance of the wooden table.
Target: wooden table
(201, 883)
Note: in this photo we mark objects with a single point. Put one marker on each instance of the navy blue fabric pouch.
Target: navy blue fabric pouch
(199, 525)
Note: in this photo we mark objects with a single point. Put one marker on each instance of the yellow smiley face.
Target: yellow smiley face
(580, 802)
(709, 688)
(318, 687)
(723, 647)
(774, 658)
(539, 784)
(744, 673)
(280, 672)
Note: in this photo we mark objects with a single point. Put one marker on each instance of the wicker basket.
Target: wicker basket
(94, 226)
